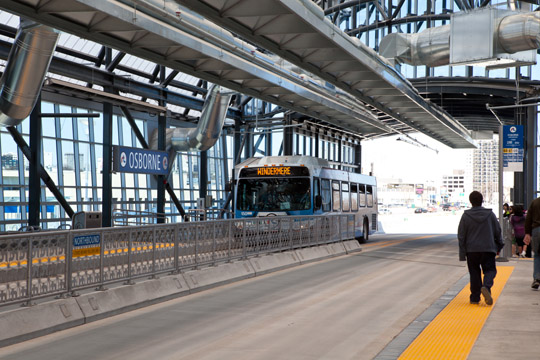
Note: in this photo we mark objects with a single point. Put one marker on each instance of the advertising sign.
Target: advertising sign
(133, 160)
(513, 148)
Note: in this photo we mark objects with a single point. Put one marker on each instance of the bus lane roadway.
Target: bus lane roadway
(348, 307)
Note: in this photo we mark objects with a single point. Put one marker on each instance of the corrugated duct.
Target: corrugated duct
(208, 130)
(25, 71)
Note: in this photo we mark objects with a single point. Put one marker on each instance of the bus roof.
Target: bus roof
(324, 167)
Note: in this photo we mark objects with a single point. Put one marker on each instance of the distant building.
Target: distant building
(69, 162)
(394, 192)
(485, 169)
(10, 161)
(455, 187)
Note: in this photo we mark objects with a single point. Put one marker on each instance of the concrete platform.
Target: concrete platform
(512, 330)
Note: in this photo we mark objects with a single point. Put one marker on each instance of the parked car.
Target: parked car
(384, 211)
(420, 210)
(449, 207)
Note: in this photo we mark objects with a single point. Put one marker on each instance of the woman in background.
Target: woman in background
(517, 222)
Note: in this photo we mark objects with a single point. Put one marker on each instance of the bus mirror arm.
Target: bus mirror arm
(228, 186)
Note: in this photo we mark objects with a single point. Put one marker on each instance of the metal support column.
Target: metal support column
(237, 148)
(507, 250)
(358, 158)
(162, 125)
(316, 139)
(288, 137)
(268, 138)
(531, 186)
(248, 138)
(340, 152)
(519, 178)
(203, 175)
(34, 180)
(106, 192)
(162, 121)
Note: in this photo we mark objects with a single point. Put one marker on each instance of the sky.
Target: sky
(391, 158)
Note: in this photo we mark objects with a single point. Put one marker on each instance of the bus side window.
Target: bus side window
(362, 195)
(325, 194)
(336, 196)
(316, 193)
(345, 196)
(354, 197)
(369, 193)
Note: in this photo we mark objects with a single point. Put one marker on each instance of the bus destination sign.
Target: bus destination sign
(274, 171)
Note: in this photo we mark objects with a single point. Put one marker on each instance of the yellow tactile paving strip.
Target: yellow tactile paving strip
(452, 334)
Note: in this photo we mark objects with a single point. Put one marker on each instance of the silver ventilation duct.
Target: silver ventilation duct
(519, 32)
(26, 67)
(208, 130)
(430, 47)
(494, 36)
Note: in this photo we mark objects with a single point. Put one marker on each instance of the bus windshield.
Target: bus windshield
(274, 194)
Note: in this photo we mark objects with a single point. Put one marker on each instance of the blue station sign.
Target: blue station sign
(133, 160)
(513, 148)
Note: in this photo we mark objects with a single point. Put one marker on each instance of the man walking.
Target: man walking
(479, 235)
(532, 232)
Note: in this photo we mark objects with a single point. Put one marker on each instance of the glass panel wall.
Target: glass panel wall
(72, 155)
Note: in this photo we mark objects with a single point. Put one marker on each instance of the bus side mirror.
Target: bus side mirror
(318, 202)
(228, 186)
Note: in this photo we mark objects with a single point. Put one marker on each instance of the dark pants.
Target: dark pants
(479, 262)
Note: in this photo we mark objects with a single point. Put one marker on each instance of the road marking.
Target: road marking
(383, 244)
(452, 334)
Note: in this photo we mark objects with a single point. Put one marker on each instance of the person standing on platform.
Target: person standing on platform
(532, 238)
(506, 210)
(517, 222)
(480, 240)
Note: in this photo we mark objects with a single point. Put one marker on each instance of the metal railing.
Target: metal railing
(208, 214)
(124, 217)
(42, 264)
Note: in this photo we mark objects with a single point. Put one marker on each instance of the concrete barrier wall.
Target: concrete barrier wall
(29, 322)
(101, 304)
(205, 278)
(274, 262)
(313, 253)
(352, 246)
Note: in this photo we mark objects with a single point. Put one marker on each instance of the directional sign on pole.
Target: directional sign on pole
(513, 148)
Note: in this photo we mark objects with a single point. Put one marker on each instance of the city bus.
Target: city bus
(304, 185)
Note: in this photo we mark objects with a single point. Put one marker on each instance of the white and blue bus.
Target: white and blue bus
(304, 185)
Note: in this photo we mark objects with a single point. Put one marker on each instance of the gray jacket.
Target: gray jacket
(479, 231)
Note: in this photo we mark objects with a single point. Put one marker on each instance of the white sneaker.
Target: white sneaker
(522, 254)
